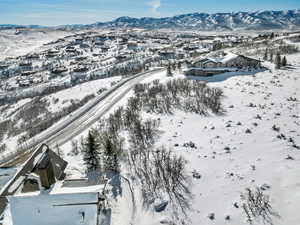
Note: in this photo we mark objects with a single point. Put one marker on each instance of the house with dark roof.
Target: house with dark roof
(226, 59)
(40, 194)
(222, 63)
(45, 164)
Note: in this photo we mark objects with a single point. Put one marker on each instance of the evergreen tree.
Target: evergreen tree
(277, 61)
(91, 153)
(271, 56)
(179, 66)
(284, 62)
(111, 153)
(169, 71)
(266, 55)
(174, 66)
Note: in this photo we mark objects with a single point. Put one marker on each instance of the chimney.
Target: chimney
(46, 172)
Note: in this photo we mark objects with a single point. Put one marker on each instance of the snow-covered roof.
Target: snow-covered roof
(57, 209)
(225, 58)
(228, 56)
(77, 204)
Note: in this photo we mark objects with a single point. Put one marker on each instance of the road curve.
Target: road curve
(78, 121)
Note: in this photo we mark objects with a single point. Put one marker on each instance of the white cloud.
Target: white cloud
(155, 4)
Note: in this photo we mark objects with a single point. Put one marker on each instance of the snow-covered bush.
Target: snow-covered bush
(257, 206)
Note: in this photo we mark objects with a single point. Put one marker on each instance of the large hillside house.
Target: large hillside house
(39, 194)
(224, 62)
(25, 66)
(226, 59)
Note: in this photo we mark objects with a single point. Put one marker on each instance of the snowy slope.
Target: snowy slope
(56, 102)
(258, 20)
(228, 158)
(17, 43)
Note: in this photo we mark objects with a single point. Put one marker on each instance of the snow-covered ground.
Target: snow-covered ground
(20, 42)
(228, 157)
(230, 160)
(56, 102)
(80, 91)
(249, 146)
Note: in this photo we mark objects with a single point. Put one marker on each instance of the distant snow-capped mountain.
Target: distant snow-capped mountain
(15, 26)
(289, 19)
(260, 20)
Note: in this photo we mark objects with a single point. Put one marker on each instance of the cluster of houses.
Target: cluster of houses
(96, 52)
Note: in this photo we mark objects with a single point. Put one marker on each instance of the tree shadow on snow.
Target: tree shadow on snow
(105, 217)
(115, 182)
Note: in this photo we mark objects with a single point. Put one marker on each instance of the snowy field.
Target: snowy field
(20, 42)
(80, 91)
(235, 151)
(229, 159)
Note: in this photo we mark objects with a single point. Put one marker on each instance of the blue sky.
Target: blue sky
(57, 12)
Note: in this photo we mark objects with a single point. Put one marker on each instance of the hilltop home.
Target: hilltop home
(225, 62)
(226, 59)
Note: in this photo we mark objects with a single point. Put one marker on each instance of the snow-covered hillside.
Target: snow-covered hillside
(251, 142)
(59, 104)
(14, 42)
(259, 20)
(230, 158)
(254, 144)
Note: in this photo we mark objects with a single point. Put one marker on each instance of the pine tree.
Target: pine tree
(111, 154)
(174, 66)
(284, 62)
(91, 153)
(266, 55)
(277, 61)
(271, 56)
(169, 71)
(179, 66)
(108, 152)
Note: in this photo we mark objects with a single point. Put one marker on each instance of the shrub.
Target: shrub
(257, 206)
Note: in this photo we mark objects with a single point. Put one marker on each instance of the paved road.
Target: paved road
(94, 114)
(80, 120)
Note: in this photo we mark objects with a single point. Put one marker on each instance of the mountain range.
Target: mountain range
(289, 19)
(259, 20)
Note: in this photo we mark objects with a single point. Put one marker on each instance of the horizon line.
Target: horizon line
(161, 17)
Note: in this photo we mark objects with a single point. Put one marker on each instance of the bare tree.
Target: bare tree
(257, 206)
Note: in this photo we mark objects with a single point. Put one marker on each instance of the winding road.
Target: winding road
(78, 121)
